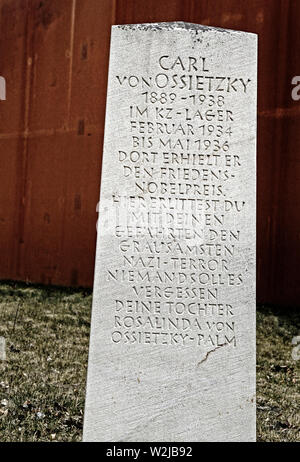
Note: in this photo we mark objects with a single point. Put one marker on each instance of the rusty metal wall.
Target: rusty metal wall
(54, 57)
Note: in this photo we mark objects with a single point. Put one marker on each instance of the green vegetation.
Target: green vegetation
(42, 381)
(278, 378)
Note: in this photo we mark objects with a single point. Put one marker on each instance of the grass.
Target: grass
(42, 382)
(278, 378)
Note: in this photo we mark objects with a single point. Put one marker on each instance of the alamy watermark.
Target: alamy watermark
(2, 89)
(296, 349)
(296, 89)
(139, 217)
(2, 349)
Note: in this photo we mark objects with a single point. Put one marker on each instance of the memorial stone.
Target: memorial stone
(172, 350)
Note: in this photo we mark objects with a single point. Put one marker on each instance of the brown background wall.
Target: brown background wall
(54, 57)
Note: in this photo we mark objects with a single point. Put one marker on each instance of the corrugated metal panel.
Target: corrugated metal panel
(54, 56)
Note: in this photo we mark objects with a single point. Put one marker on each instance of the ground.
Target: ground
(42, 381)
(278, 374)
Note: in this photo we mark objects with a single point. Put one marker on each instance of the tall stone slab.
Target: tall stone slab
(172, 351)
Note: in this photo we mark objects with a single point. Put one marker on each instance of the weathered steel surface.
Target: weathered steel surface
(54, 56)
